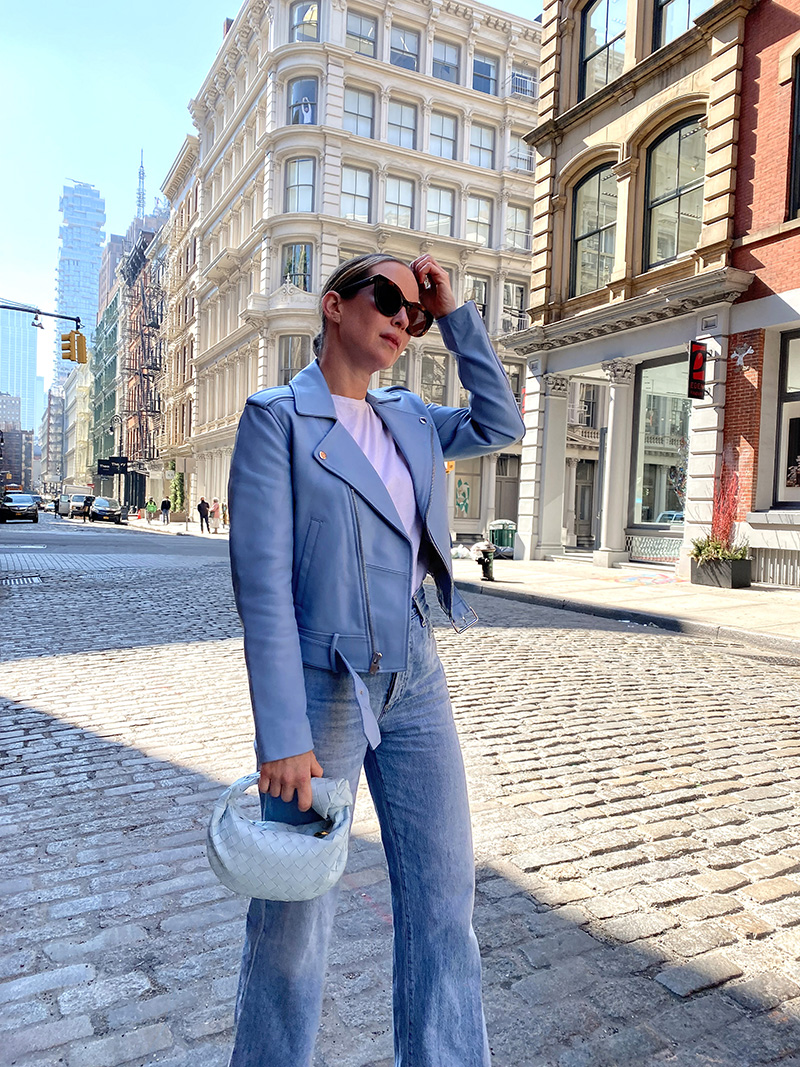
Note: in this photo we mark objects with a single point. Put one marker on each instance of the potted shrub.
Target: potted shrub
(717, 558)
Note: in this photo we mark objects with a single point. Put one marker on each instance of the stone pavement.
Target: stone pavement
(635, 794)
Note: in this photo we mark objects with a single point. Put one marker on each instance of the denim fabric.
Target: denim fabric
(416, 778)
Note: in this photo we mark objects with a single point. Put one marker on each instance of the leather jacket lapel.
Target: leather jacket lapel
(338, 453)
(413, 435)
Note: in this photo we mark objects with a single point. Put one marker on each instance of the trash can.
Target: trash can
(501, 533)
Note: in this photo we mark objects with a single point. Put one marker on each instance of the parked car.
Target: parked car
(77, 503)
(18, 506)
(37, 499)
(49, 505)
(62, 505)
(670, 516)
(104, 508)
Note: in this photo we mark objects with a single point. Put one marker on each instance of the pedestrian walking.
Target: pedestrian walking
(150, 509)
(203, 509)
(87, 507)
(215, 515)
(339, 641)
(165, 506)
(224, 513)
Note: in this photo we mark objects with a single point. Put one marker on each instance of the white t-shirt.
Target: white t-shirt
(373, 438)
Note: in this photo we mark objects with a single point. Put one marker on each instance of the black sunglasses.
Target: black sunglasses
(389, 299)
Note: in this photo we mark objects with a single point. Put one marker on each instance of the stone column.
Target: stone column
(616, 475)
(569, 536)
(552, 443)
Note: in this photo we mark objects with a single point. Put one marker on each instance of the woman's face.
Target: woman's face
(371, 340)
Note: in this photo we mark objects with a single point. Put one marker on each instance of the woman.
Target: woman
(214, 515)
(340, 510)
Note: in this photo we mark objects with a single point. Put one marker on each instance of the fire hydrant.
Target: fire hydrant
(483, 552)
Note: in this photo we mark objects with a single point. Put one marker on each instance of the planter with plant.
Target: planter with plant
(717, 558)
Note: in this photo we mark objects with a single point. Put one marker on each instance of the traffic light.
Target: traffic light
(68, 348)
(80, 341)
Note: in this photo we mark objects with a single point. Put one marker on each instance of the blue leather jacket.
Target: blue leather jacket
(321, 562)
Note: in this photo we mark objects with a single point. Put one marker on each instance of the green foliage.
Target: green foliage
(176, 498)
(710, 547)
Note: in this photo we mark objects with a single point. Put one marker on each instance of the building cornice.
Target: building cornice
(182, 167)
(668, 301)
(663, 59)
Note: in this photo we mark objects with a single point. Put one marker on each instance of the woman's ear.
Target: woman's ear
(332, 307)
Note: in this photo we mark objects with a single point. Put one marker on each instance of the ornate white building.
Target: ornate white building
(325, 130)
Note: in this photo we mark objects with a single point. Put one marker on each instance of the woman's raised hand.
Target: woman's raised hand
(283, 777)
(435, 293)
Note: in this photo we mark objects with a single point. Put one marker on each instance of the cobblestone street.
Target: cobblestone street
(635, 794)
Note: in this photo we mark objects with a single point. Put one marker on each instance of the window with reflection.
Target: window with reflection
(518, 228)
(675, 175)
(602, 44)
(299, 193)
(356, 194)
(294, 353)
(361, 34)
(520, 156)
(439, 215)
(787, 489)
(481, 146)
(794, 147)
(674, 17)
(402, 124)
(479, 220)
(296, 265)
(477, 289)
(398, 209)
(515, 316)
(359, 112)
(302, 101)
(404, 50)
(445, 60)
(661, 445)
(484, 74)
(594, 229)
(304, 22)
(433, 378)
(443, 135)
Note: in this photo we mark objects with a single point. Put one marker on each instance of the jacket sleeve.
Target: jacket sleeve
(492, 420)
(260, 499)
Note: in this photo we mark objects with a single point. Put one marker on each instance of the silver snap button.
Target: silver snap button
(421, 419)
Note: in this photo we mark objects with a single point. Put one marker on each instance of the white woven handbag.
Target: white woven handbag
(275, 860)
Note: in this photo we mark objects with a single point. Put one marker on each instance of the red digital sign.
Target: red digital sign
(697, 370)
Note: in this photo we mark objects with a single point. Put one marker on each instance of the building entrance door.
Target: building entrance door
(506, 493)
(584, 502)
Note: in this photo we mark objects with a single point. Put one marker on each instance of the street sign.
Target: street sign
(697, 370)
(113, 465)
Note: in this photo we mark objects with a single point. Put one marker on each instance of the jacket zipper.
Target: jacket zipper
(425, 521)
(376, 656)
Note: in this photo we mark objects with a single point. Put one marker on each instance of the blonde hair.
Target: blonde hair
(352, 270)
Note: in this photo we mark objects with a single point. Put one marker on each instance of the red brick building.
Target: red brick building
(762, 408)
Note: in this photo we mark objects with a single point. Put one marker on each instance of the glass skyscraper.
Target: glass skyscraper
(18, 362)
(82, 236)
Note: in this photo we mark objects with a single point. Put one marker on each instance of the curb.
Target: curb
(772, 642)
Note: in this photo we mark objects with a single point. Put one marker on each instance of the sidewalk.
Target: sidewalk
(760, 615)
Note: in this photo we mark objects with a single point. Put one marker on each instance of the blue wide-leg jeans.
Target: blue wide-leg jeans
(416, 778)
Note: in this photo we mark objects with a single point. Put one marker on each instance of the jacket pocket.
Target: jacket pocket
(305, 560)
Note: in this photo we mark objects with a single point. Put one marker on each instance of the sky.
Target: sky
(88, 86)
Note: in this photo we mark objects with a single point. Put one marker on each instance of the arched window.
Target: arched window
(602, 44)
(304, 22)
(594, 231)
(302, 100)
(675, 174)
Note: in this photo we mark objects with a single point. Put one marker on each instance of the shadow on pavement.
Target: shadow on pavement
(119, 946)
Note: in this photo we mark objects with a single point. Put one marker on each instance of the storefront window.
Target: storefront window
(787, 490)
(661, 442)
(468, 489)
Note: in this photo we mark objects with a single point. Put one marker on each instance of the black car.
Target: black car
(18, 506)
(104, 508)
